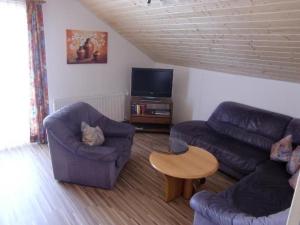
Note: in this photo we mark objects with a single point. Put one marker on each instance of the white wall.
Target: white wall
(196, 93)
(86, 79)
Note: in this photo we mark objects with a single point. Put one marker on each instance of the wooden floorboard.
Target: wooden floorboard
(30, 195)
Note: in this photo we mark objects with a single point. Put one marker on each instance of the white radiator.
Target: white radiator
(112, 106)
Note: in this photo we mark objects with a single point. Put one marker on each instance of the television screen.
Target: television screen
(151, 82)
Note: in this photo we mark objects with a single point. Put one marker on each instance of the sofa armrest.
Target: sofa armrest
(219, 210)
(214, 208)
(113, 128)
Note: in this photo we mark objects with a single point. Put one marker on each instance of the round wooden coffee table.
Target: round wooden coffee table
(180, 170)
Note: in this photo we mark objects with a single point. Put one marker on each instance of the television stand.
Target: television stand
(151, 115)
(149, 98)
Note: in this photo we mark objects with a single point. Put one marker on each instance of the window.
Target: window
(14, 74)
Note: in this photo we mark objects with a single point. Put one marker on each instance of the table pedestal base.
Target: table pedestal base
(175, 187)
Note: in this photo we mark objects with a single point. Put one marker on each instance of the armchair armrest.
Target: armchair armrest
(113, 128)
(219, 210)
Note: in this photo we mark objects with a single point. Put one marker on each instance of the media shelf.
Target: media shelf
(152, 115)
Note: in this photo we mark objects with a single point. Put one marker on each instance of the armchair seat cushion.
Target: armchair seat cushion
(120, 144)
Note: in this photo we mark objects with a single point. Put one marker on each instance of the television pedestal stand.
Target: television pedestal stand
(151, 115)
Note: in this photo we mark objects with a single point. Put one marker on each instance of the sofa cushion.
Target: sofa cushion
(264, 192)
(241, 157)
(254, 126)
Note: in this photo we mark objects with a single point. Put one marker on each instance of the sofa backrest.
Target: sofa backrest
(293, 128)
(251, 125)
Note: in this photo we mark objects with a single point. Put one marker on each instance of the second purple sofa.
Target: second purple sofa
(241, 137)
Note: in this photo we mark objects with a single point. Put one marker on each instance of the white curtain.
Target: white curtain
(14, 74)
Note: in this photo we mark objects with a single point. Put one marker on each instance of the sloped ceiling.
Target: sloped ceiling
(247, 37)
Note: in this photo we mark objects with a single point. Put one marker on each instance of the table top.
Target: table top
(194, 164)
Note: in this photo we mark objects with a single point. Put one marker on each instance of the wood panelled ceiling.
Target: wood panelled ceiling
(248, 37)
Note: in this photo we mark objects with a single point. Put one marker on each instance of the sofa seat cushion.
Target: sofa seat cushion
(233, 153)
(264, 192)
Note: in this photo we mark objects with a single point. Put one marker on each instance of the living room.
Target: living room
(233, 61)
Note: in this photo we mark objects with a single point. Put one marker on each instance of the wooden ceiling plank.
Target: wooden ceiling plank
(250, 32)
(151, 19)
(259, 62)
(225, 37)
(226, 61)
(255, 57)
(295, 23)
(235, 67)
(227, 46)
(252, 43)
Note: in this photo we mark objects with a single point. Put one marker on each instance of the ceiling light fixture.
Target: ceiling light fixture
(148, 1)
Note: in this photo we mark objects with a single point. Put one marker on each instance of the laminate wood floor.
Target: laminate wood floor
(30, 195)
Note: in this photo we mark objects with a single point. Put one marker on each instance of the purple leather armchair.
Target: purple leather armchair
(75, 162)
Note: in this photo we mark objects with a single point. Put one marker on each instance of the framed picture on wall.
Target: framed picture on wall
(85, 47)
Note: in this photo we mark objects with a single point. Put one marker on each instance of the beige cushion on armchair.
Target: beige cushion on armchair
(91, 135)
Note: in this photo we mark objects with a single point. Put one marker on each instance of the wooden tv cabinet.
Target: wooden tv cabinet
(152, 115)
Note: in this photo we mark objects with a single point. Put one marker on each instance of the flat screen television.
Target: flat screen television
(148, 82)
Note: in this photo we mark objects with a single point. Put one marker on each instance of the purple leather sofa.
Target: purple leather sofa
(75, 162)
(241, 137)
